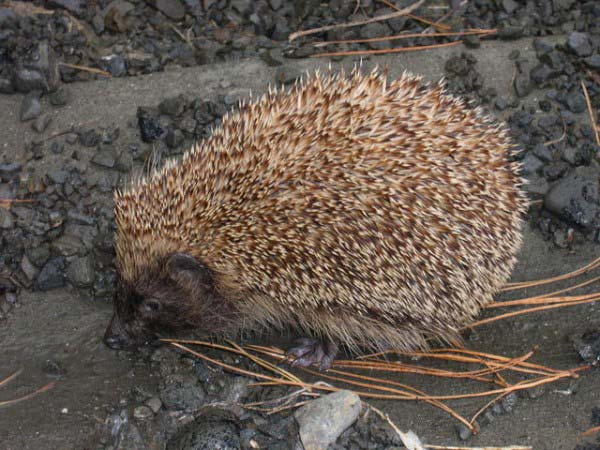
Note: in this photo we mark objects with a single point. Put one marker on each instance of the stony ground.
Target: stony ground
(70, 134)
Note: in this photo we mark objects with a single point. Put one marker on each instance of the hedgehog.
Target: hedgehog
(358, 211)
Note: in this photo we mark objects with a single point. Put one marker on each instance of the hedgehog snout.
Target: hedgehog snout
(119, 337)
(115, 336)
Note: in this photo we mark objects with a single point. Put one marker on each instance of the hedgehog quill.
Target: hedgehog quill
(356, 210)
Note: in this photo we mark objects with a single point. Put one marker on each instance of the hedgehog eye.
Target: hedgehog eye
(151, 306)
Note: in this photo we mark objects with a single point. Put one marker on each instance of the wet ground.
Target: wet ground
(56, 334)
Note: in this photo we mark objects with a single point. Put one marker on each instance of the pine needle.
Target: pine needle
(393, 15)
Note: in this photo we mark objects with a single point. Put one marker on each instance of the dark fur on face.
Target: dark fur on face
(178, 295)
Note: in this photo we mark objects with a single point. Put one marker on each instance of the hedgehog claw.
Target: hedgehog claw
(312, 352)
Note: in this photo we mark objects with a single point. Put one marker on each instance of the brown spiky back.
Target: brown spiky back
(369, 211)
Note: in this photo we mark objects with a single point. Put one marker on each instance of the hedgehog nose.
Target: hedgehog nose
(115, 337)
(114, 342)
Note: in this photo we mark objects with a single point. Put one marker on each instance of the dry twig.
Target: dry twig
(386, 50)
(25, 397)
(393, 15)
(85, 69)
(385, 389)
(591, 113)
(526, 284)
(404, 36)
(591, 431)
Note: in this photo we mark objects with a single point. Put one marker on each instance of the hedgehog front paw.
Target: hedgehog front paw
(312, 352)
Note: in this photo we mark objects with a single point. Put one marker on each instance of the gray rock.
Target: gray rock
(55, 219)
(74, 6)
(120, 6)
(510, 6)
(464, 433)
(555, 170)
(6, 86)
(542, 152)
(374, 30)
(39, 255)
(564, 5)
(27, 80)
(275, 4)
(105, 157)
(576, 102)
(541, 73)
(9, 170)
(579, 43)
(89, 138)
(57, 176)
(30, 271)
(554, 59)
(304, 8)
(244, 7)
(588, 346)
(536, 185)
(182, 392)
(154, 404)
(71, 138)
(30, 106)
(98, 23)
(509, 402)
(510, 32)
(41, 123)
(522, 84)
(281, 30)
(6, 219)
(126, 433)
(124, 162)
(535, 392)
(236, 389)
(323, 420)
(8, 18)
(173, 9)
(67, 245)
(114, 64)
(80, 218)
(51, 275)
(273, 57)
(142, 412)
(593, 61)
(213, 429)
(150, 127)
(574, 198)
(531, 164)
(37, 71)
(80, 272)
(570, 154)
(60, 97)
(472, 41)
(174, 138)
(174, 106)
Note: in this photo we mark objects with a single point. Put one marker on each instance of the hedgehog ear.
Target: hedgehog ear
(187, 270)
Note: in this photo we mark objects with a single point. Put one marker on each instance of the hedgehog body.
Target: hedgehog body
(372, 213)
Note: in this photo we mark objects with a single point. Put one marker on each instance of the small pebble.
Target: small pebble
(464, 433)
(41, 123)
(30, 106)
(142, 412)
(154, 404)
